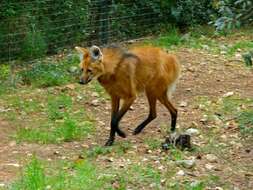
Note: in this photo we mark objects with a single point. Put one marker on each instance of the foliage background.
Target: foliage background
(31, 29)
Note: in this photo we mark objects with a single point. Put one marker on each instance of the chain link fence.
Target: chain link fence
(33, 28)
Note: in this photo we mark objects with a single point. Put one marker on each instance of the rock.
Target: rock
(228, 94)
(223, 52)
(218, 188)
(209, 166)
(195, 183)
(95, 102)
(70, 86)
(110, 159)
(12, 143)
(13, 164)
(186, 163)
(2, 184)
(205, 47)
(238, 56)
(192, 131)
(95, 94)
(211, 158)
(180, 173)
(223, 47)
(183, 104)
(73, 69)
(186, 37)
(204, 119)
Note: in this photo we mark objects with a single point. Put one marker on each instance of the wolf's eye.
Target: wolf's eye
(89, 70)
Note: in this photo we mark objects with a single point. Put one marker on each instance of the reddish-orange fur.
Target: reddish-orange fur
(124, 74)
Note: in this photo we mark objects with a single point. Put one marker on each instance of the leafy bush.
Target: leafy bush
(233, 14)
(34, 45)
(188, 12)
(50, 73)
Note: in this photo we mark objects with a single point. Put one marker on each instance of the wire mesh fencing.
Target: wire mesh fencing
(32, 28)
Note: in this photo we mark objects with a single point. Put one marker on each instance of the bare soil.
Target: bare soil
(203, 75)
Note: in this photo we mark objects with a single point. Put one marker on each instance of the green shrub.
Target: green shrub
(189, 12)
(34, 45)
(4, 72)
(233, 14)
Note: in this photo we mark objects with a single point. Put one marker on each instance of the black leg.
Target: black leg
(173, 111)
(151, 116)
(116, 119)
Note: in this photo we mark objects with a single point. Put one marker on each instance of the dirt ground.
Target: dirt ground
(203, 74)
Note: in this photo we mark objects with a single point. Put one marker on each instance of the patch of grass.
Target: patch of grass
(58, 106)
(5, 72)
(118, 149)
(95, 86)
(152, 143)
(242, 45)
(32, 178)
(176, 154)
(186, 186)
(67, 131)
(76, 176)
(98, 150)
(245, 120)
(167, 40)
(230, 108)
(50, 73)
(140, 176)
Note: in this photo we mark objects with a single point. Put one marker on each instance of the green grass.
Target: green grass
(227, 108)
(118, 149)
(245, 120)
(38, 175)
(152, 143)
(69, 130)
(167, 40)
(244, 46)
(59, 106)
(50, 73)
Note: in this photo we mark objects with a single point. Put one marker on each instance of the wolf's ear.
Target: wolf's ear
(82, 51)
(96, 53)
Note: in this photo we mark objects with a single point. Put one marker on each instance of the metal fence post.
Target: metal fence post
(104, 10)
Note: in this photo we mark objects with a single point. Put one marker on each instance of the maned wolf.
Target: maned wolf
(124, 74)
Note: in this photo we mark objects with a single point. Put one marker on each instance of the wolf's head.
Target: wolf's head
(91, 63)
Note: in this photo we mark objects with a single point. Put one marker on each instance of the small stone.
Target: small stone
(211, 158)
(204, 119)
(186, 163)
(223, 52)
(192, 131)
(2, 184)
(238, 56)
(228, 94)
(12, 143)
(205, 47)
(149, 151)
(195, 183)
(180, 173)
(183, 104)
(73, 69)
(110, 159)
(218, 188)
(209, 166)
(95, 94)
(56, 152)
(95, 102)
(13, 164)
(70, 86)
